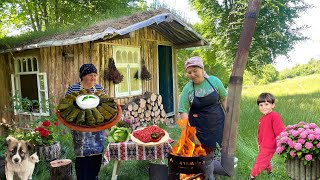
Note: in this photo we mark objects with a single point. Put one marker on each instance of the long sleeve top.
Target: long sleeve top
(270, 126)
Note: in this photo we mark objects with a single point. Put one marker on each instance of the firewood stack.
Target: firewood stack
(148, 108)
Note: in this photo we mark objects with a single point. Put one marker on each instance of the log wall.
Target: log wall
(6, 69)
(63, 70)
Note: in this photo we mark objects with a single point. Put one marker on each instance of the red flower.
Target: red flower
(44, 133)
(46, 123)
(56, 123)
(40, 129)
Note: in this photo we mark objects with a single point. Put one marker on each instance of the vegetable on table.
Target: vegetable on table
(119, 134)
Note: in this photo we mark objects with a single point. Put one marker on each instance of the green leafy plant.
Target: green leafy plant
(46, 133)
(2, 147)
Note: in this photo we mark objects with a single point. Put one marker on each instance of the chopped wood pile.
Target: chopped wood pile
(148, 108)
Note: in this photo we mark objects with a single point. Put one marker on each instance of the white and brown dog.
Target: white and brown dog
(18, 159)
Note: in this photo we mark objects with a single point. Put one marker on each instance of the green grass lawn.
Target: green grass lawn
(297, 100)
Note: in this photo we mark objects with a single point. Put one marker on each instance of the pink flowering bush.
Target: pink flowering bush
(300, 140)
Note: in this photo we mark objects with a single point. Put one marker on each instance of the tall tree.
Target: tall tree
(276, 32)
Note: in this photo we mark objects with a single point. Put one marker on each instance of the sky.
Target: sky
(302, 51)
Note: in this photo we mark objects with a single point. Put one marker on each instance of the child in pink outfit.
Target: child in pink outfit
(270, 126)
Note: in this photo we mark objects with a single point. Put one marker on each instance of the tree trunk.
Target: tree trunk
(61, 169)
(49, 153)
(235, 88)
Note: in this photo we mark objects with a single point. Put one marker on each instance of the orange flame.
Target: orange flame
(188, 145)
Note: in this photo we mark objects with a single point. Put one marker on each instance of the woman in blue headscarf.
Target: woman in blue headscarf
(88, 146)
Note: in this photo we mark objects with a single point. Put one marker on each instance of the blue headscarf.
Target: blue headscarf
(87, 69)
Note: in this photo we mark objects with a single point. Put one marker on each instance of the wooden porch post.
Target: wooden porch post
(235, 87)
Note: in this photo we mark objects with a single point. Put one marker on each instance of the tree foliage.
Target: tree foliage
(312, 67)
(269, 74)
(41, 15)
(276, 32)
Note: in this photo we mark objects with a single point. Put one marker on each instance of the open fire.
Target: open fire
(188, 144)
(188, 159)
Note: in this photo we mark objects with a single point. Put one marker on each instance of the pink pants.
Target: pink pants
(262, 162)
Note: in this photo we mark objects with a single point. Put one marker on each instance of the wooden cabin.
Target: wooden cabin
(44, 68)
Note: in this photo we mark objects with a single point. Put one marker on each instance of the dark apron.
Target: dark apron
(207, 115)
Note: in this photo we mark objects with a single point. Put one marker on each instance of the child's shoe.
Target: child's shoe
(251, 177)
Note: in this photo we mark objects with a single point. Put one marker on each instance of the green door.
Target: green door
(166, 78)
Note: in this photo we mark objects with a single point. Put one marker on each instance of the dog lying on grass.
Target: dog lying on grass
(18, 159)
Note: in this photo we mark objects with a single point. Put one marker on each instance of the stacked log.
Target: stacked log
(148, 108)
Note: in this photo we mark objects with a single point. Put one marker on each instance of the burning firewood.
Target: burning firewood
(188, 145)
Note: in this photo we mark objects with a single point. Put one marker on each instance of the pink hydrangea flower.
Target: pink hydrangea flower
(280, 149)
(308, 145)
(313, 125)
(284, 139)
(297, 146)
(301, 141)
(300, 130)
(292, 154)
(304, 134)
(284, 134)
(290, 143)
(301, 123)
(295, 133)
(289, 127)
(318, 145)
(306, 126)
(308, 157)
(311, 137)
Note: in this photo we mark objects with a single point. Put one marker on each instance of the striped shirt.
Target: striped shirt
(76, 88)
(87, 143)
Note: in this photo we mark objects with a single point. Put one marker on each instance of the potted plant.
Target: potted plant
(44, 138)
(299, 145)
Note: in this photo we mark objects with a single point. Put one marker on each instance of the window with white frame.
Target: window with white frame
(127, 61)
(29, 87)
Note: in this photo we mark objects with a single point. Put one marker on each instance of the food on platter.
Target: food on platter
(149, 136)
(87, 101)
(84, 109)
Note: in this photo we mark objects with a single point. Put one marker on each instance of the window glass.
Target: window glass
(123, 86)
(118, 57)
(124, 57)
(30, 87)
(18, 65)
(43, 101)
(129, 64)
(29, 91)
(35, 64)
(41, 81)
(130, 57)
(135, 85)
(29, 65)
(135, 57)
(24, 65)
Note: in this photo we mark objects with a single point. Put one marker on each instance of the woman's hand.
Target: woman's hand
(183, 116)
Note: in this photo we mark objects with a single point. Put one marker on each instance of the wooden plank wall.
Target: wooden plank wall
(147, 39)
(63, 71)
(6, 69)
